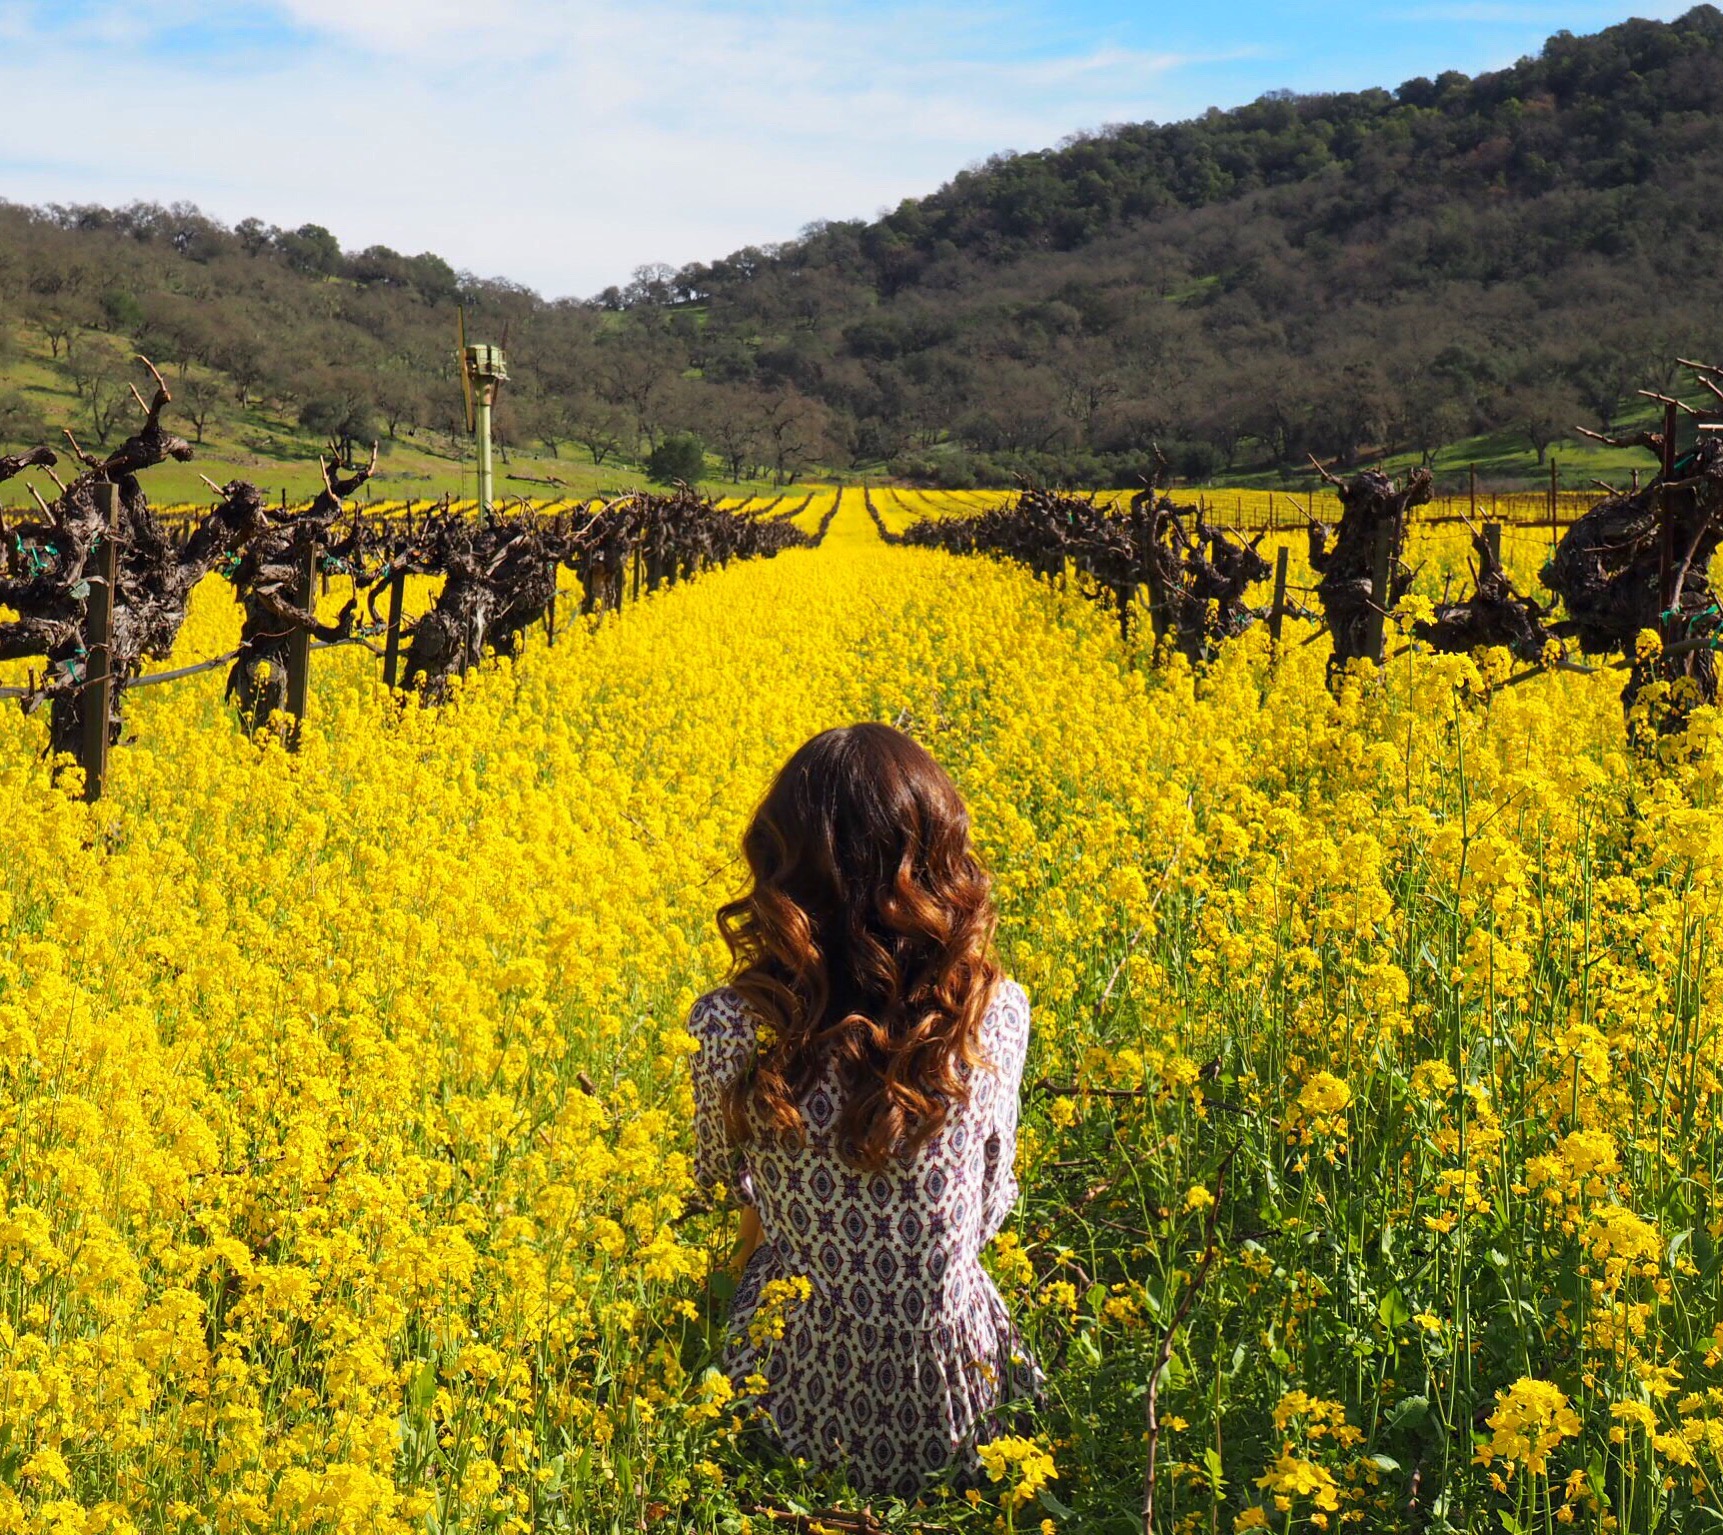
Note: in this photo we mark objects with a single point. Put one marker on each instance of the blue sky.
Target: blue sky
(564, 142)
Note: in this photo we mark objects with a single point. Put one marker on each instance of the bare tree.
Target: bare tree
(99, 380)
(240, 354)
(1542, 413)
(198, 398)
(599, 427)
(730, 423)
(794, 428)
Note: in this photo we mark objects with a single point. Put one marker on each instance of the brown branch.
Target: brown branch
(1668, 399)
(342, 488)
(1652, 442)
(1333, 479)
(35, 458)
(87, 460)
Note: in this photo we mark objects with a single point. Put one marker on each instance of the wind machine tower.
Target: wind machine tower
(483, 374)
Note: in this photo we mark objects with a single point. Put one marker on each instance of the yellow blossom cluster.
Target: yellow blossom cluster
(344, 1143)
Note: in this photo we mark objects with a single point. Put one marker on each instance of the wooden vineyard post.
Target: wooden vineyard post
(1555, 535)
(1667, 626)
(1278, 611)
(1493, 540)
(299, 644)
(1381, 580)
(550, 607)
(95, 698)
(1472, 483)
(392, 641)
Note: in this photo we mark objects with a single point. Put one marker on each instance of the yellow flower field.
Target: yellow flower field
(344, 1140)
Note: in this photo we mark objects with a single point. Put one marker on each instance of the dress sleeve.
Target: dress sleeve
(726, 1037)
(1009, 1046)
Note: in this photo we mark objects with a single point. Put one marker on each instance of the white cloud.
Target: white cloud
(557, 143)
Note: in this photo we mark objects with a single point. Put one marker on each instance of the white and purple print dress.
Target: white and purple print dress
(904, 1358)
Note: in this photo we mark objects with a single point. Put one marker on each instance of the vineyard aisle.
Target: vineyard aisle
(344, 1118)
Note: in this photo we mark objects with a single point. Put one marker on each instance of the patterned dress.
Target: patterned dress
(904, 1358)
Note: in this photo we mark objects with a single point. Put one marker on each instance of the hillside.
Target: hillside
(1398, 271)
(1451, 270)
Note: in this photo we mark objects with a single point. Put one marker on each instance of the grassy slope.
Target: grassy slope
(1502, 460)
(266, 446)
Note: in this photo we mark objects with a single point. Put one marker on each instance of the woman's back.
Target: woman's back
(899, 1244)
(904, 1349)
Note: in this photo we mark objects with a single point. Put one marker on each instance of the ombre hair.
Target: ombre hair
(865, 938)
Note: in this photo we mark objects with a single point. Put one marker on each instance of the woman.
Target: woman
(855, 1091)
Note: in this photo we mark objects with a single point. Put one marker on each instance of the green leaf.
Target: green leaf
(1393, 1310)
(1408, 1412)
(425, 1387)
(1053, 1506)
(1384, 1463)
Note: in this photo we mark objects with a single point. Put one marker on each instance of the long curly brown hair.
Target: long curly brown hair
(866, 938)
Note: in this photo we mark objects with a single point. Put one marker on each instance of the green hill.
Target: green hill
(1454, 270)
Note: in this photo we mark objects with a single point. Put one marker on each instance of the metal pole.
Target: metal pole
(299, 643)
(484, 443)
(96, 698)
